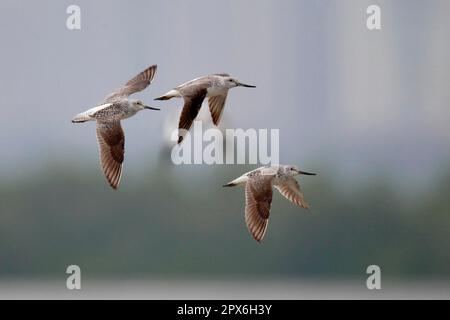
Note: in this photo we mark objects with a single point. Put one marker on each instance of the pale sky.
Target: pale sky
(338, 92)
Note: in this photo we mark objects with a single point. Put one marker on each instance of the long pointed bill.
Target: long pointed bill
(151, 108)
(246, 85)
(306, 173)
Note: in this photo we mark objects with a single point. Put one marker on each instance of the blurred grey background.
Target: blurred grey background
(367, 110)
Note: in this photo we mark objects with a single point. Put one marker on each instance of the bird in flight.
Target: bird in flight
(258, 193)
(214, 87)
(115, 107)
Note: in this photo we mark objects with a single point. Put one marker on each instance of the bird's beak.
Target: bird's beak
(306, 173)
(245, 85)
(151, 108)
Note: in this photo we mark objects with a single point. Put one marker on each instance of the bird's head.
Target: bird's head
(231, 82)
(138, 105)
(294, 171)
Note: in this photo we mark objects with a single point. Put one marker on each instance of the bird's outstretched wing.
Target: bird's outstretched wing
(291, 190)
(216, 104)
(111, 142)
(192, 104)
(138, 83)
(258, 198)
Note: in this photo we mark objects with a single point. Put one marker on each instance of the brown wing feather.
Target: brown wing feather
(258, 198)
(216, 105)
(111, 141)
(291, 190)
(190, 111)
(138, 83)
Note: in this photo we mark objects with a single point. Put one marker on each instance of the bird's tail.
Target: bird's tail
(82, 117)
(236, 182)
(169, 95)
(229, 185)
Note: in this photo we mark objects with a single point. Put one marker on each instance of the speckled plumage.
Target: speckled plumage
(258, 194)
(115, 107)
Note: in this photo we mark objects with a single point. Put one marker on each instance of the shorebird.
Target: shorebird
(214, 87)
(258, 193)
(115, 107)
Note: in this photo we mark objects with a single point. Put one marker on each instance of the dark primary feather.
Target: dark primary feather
(190, 111)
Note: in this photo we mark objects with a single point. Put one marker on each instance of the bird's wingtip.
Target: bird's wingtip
(258, 240)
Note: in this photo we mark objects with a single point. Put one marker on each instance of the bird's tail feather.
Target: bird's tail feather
(169, 95)
(236, 182)
(229, 185)
(82, 117)
(163, 98)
